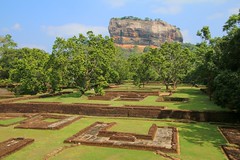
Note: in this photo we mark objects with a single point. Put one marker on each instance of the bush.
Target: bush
(227, 89)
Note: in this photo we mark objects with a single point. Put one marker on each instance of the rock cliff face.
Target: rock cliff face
(128, 33)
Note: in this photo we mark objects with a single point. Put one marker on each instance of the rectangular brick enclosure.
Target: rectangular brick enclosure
(232, 152)
(12, 116)
(41, 121)
(11, 145)
(124, 95)
(232, 134)
(158, 138)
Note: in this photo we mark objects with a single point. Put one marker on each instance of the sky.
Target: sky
(37, 23)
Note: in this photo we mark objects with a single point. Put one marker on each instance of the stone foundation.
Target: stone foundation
(12, 145)
(158, 138)
(38, 122)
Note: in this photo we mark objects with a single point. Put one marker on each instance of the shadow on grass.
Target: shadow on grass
(74, 95)
(197, 101)
(201, 134)
(71, 95)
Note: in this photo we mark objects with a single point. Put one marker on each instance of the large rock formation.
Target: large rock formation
(130, 32)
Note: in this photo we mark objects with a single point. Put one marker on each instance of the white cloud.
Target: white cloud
(4, 30)
(215, 16)
(32, 46)
(16, 26)
(187, 38)
(181, 2)
(233, 11)
(168, 10)
(74, 29)
(176, 6)
(115, 3)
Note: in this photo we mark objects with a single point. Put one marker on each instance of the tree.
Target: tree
(227, 82)
(231, 43)
(7, 55)
(7, 42)
(227, 89)
(209, 55)
(119, 68)
(29, 71)
(204, 33)
(141, 67)
(220, 63)
(82, 61)
(173, 63)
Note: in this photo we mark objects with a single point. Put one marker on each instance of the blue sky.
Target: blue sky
(37, 23)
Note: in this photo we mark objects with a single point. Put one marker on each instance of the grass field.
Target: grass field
(198, 141)
(11, 121)
(197, 100)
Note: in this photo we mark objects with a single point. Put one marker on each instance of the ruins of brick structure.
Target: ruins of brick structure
(164, 139)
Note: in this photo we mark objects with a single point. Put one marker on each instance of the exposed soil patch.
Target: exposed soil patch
(158, 138)
(11, 145)
(233, 153)
(57, 151)
(4, 93)
(41, 121)
(232, 134)
(165, 94)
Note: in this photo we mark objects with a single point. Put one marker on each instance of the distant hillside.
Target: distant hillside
(130, 31)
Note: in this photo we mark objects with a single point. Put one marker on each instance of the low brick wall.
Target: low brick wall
(144, 112)
(142, 93)
(171, 99)
(161, 107)
(152, 130)
(26, 97)
(123, 137)
(106, 97)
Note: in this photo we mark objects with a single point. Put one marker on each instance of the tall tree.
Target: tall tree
(209, 55)
(119, 68)
(29, 71)
(231, 43)
(142, 69)
(7, 55)
(175, 62)
(82, 61)
(227, 82)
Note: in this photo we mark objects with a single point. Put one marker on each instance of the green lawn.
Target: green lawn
(11, 121)
(198, 141)
(198, 100)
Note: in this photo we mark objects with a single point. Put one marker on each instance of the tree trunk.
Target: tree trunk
(167, 85)
(167, 88)
(174, 85)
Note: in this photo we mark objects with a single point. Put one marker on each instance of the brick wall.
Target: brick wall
(104, 110)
